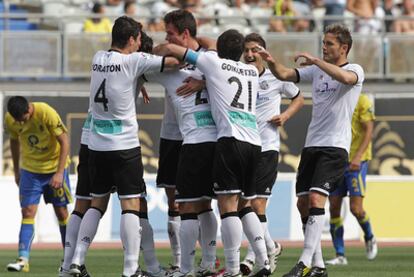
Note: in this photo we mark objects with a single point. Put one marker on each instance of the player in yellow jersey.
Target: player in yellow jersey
(354, 183)
(39, 146)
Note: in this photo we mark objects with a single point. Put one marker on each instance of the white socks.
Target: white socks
(208, 230)
(173, 234)
(313, 234)
(270, 244)
(131, 240)
(189, 231)
(147, 245)
(72, 230)
(255, 235)
(231, 233)
(87, 232)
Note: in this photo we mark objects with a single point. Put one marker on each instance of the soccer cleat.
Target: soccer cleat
(161, 273)
(339, 260)
(21, 265)
(371, 248)
(260, 272)
(299, 270)
(64, 273)
(138, 273)
(317, 272)
(204, 271)
(273, 258)
(75, 270)
(180, 274)
(224, 273)
(246, 267)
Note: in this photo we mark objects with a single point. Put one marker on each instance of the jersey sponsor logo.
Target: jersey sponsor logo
(204, 118)
(243, 119)
(107, 126)
(324, 87)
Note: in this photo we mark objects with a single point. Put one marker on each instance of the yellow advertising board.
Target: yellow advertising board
(390, 204)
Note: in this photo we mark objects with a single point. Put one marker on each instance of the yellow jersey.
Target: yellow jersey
(103, 26)
(364, 112)
(39, 148)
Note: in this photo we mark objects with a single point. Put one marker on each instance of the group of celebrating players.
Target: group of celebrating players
(219, 139)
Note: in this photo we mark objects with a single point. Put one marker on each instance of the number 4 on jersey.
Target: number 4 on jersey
(100, 96)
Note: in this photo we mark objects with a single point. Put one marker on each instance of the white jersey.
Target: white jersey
(193, 112)
(333, 106)
(268, 102)
(169, 125)
(113, 86)
(86, 129)
(232, 87)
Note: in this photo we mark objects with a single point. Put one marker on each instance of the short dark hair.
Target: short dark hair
(17, 106)
(123, 29)
(255, 37)
(230, 45)
(146, 43)
(182, 19)
(127, 4)
(342, 33)
(96, 7)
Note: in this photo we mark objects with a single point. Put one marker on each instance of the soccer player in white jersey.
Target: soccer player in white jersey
(82, 204)
(194, 182)
(269, 120)
(232, 88)
(114, 152)
(336, 86)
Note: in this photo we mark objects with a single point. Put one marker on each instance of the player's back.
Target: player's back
(232, 87)
(113, 84)
(193, 112)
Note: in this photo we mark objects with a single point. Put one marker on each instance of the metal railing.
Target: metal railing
(61, 55)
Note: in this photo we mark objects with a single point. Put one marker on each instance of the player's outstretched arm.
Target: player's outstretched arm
(171, 63)
(336, 72)
(57, 178)
(15, 152)
(207, 43)
(279, 70)
(169, 49)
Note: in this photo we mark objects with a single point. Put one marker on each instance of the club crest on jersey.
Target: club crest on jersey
(264, 85)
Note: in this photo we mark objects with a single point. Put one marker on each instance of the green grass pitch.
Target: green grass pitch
(391, 262)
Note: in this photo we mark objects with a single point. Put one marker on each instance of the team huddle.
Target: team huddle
(219, 139)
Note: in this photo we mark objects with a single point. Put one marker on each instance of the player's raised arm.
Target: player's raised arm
(169, 49)
(279, 70)
(341, 75)
(207, 43)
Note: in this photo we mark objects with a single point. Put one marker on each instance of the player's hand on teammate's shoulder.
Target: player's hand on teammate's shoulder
(57, 180)
(309, 59)
(190, 86)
